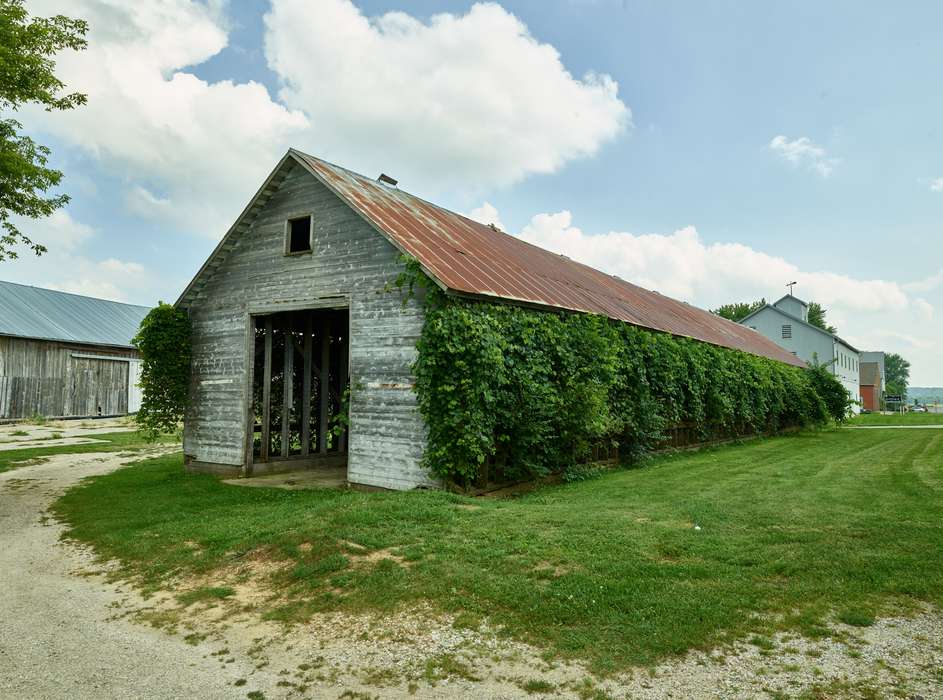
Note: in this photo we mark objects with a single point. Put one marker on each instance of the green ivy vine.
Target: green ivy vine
(164, 342)
(532, 392)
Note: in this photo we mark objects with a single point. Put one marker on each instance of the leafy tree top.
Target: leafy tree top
(27, 76)
(896, 374)
(817, 317)
(738, 311)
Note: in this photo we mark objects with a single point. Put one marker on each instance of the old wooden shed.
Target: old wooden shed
(65, 355)
(293, 307)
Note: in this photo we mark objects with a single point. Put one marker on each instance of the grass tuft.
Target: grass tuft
(205, 593)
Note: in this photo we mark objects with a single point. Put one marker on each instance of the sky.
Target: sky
(711, 151)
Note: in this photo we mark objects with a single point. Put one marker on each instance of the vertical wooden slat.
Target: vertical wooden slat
(250, 398)
(342, 349)
(323, 386)
(267, 393)
(306, 389)
(288, 386)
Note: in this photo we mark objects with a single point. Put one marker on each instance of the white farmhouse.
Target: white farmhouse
(787, 323)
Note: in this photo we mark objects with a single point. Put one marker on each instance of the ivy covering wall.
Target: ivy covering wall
(164, 342)
(532, 392)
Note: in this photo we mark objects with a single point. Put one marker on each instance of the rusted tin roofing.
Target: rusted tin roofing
(467, 257)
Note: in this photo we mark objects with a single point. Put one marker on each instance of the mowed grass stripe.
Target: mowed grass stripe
(793, 531)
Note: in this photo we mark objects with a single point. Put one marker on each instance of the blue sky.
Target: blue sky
(720, 148)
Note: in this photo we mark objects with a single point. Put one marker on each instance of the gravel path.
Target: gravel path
(57, 635)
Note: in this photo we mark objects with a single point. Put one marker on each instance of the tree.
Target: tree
(738, 311)
(27, 45)
(817, 317)
(896, 374)
(835, 396)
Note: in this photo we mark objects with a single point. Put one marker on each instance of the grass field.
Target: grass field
(112, 442)
(898, 419)
(690, 551)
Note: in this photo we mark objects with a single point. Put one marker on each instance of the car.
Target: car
(919, 409)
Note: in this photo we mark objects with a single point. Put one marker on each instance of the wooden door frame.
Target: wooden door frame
(339, 302)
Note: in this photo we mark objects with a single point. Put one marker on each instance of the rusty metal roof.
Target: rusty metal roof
(467, 257)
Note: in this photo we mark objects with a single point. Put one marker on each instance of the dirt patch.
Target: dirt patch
(375, 557)
(546, 568)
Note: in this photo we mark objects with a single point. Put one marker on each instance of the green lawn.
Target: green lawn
(898, 419)
(113, 442)
(794, 531)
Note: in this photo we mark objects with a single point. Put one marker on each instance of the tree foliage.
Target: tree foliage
(738, 311)
(164, 342)
(534, 391)
(817, 317)
(833, 393)
(27, 45)
(896, 373)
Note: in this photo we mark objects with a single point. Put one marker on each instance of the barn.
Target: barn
(65, 355)
(292, 318)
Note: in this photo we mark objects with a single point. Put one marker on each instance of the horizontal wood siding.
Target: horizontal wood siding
(351, 263)
(43, 377)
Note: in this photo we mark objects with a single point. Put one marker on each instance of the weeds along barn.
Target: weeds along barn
(296, 314)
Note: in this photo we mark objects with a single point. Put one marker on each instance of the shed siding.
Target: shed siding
(350, 260)
(42, 377)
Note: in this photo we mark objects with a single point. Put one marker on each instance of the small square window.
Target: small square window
(299, 235)
(787, 330)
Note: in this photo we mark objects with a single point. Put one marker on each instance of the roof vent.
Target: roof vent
(494, 228)
(387, 180)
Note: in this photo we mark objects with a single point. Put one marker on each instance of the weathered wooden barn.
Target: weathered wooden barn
(293, 307)
(65, 355)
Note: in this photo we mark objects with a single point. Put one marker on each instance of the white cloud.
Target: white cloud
(465, 101)
(803, 152)
(682, 265)
(925, 307)
(486, 214)
(936, 185)
(206, 145)
(871, 313)
(58, 231)
(460, 102)
(928, 284)
(68, 267)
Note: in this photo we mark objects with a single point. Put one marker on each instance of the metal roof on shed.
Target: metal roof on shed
(467, 257)
(45, 314)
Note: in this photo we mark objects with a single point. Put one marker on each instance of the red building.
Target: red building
(870, 386)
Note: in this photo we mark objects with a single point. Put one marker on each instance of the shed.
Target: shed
(872, 386)
(291, 310)
(65, 355)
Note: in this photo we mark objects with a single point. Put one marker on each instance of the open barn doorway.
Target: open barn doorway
(299, 392)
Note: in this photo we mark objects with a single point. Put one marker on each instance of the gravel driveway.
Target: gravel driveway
(57, 635)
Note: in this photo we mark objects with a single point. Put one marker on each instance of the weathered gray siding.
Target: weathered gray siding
(46, 378)
(349, 260)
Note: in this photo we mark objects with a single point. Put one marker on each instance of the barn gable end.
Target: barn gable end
(349, 267)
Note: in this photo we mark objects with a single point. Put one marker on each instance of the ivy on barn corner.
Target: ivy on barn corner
(164, 343)
(534, 391)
